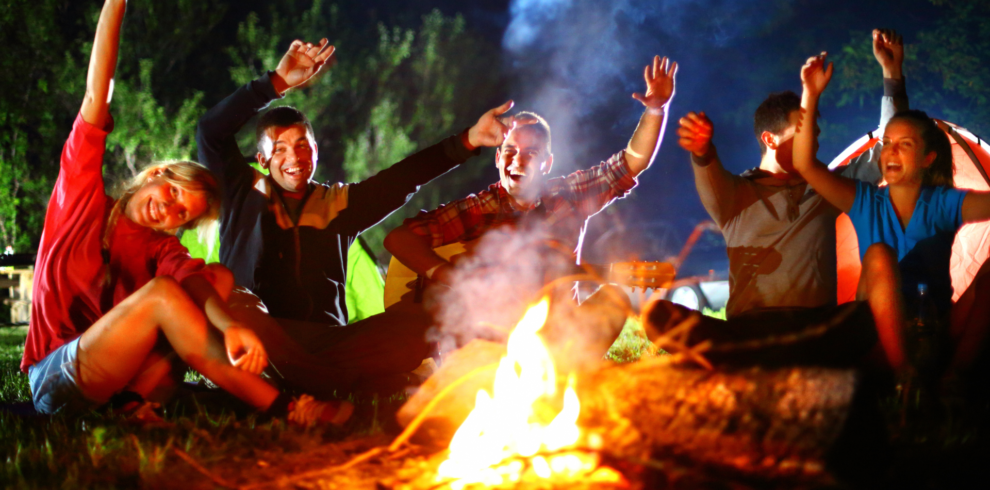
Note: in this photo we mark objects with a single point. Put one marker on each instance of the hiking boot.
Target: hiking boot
(306, 411)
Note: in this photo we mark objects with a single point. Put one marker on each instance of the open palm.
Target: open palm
(659, 83)
(302, 61)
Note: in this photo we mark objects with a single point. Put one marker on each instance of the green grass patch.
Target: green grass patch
(13, 383)
(632, 344)
(720, 314)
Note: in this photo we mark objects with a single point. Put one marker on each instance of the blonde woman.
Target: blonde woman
(116, 293)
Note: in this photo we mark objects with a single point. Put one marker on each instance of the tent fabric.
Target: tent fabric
(972, 244)
(365, 288)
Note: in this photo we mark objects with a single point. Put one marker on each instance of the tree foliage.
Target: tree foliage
(396, 87)
(947, 67)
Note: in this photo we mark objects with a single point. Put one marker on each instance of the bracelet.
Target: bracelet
(655, 111)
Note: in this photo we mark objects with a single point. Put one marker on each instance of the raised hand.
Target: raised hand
(491, 129)
(659, 83)
(245, 350)
(300, 63)
(888, 48)
(695, 133)
(815, 75)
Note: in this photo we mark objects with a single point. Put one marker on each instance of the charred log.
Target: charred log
(753, 423)
(756, 422)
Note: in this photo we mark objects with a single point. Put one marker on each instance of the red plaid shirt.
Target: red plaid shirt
(565, 206)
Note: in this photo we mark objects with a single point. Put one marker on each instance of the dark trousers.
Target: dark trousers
(319, 359)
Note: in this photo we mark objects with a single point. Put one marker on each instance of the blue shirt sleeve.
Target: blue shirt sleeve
(945, 208)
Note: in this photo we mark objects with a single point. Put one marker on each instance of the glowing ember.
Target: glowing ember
(507, 432)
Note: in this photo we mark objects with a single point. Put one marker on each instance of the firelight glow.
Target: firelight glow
(505, 428)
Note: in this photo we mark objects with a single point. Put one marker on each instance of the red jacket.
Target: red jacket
(69, 290)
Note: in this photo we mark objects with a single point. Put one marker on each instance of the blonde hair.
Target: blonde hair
(191, 177)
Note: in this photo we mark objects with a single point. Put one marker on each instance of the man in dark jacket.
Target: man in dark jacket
(286, 237)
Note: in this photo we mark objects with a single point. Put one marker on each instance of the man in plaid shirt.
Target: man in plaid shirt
(524, 192)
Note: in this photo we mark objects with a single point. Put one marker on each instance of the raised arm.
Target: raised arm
(716, 187)
(217, 129)
(645, 141)
(102, 64)
(838, 190)
(888, 49)
(373, 199)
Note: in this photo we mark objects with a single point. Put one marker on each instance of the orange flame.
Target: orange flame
(504, 429)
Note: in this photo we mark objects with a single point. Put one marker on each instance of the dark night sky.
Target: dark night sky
(577, 63)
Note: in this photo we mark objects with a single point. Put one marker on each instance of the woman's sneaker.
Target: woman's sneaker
(306, 411)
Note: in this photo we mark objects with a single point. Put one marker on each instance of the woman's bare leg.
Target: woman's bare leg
(113, 350)
(880, 285)
(160, 375)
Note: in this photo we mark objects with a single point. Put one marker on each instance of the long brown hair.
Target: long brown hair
(940, 172)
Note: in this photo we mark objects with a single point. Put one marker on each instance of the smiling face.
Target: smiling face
(164, 206)
(523, 163)
(903, 159)
(290, 156)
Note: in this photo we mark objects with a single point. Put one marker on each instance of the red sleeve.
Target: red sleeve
(79, 186)
(174, 260)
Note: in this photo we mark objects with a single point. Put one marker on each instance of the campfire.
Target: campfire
(518, 432)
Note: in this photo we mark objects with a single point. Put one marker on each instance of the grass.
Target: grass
(13, 383)
(632, 343)
(106, 450)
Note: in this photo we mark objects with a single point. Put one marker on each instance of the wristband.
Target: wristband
(429, 272)
(466, 141)
(656, 111)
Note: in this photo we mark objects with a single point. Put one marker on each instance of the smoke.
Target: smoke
(504, 275)
(493, 285)
(578, 62)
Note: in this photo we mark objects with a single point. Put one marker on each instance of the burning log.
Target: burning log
(756, 423)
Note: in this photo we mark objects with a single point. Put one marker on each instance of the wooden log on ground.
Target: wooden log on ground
(767, 424)
(755, 423)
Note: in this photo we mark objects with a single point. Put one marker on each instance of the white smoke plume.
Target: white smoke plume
(503, 276)
(577, 62)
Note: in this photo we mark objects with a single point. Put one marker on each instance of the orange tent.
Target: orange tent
(971, 156)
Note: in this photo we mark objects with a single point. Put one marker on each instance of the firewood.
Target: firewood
(754, 422)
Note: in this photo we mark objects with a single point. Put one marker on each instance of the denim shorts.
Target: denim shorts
(55, 385)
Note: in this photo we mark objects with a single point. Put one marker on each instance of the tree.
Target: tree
(947, 67)
(38, 78)
(46, 52)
